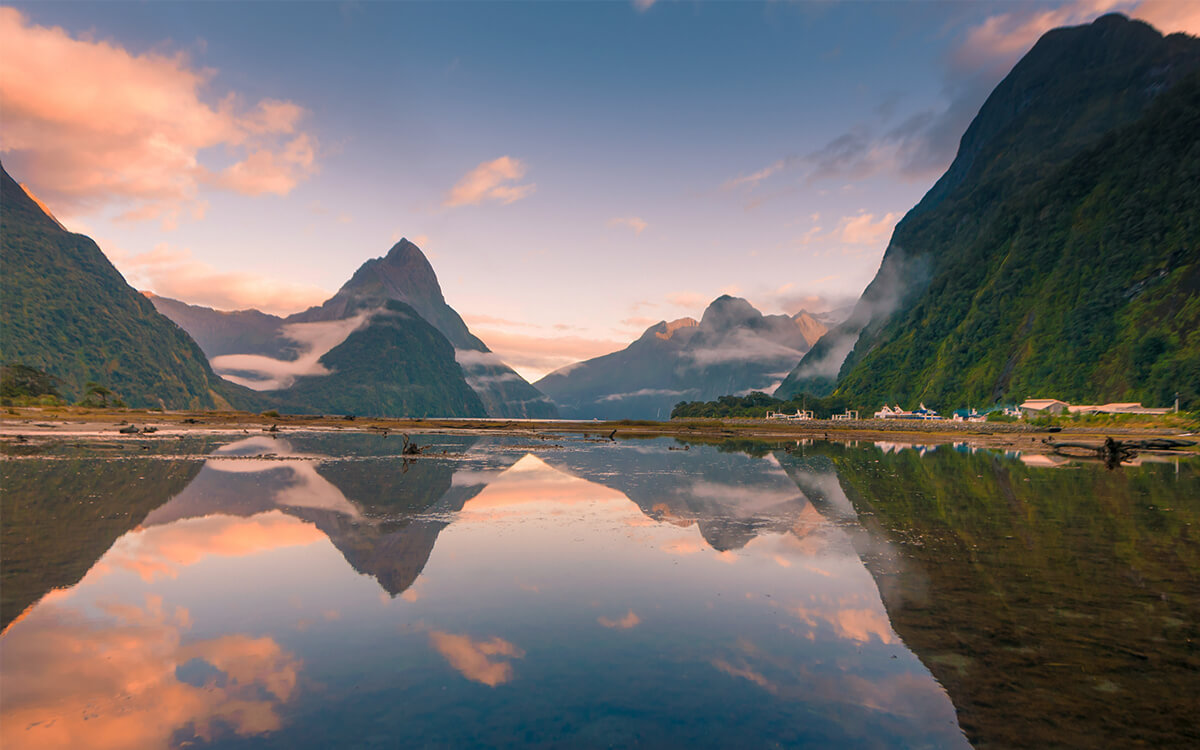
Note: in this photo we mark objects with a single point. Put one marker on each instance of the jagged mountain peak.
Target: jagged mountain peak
(403, 274)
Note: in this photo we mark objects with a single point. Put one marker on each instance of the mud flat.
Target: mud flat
(35, 424)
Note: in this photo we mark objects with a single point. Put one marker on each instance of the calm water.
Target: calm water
(318, 591)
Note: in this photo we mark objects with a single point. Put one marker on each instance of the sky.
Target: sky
(574, 171)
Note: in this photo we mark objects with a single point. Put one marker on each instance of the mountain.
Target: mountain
(733, 348)
(270, 353)
(65, 310)
(394, 363)
(219, 332)
(1057, 255)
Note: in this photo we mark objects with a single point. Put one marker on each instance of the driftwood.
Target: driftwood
(410, 448)
(1113, 452)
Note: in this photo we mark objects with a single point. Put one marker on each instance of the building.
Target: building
(1043, 406)
(1125, 407)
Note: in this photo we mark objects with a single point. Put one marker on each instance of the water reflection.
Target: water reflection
(60, 516)
(1059, 603)
(318, 590)
(125, 676)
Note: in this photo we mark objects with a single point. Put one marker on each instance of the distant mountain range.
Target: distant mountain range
(387, 344)
(1060, 253)
(733, 348)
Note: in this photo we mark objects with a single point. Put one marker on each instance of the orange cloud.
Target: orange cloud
(865, 229)
(172, 272)
(853, 623)
(162, 550)
(267, 171)
(688, 299)
(746, 673)
(79, 682)
(636, 223)
(490, 181)
(473, 659)
(630, 620)
(1000, 39)
(88, 123)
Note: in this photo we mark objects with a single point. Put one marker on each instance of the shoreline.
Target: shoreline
(54, 423)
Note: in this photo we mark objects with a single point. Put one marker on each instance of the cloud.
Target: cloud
(630, 620)
(474, 319)
(266, 171)
(852, 623)
(862, 229)
(646, 392)
(89, 123)
(474, 659)
(490, 181)
(1001, 39)
(865, 229)
(122, 677)
(1169, 16)
(813, 302)
(745, 346)
(534, 356)
(473, 359)
(636, 223)
(172, 272)
(271, 374)
(161, 551)
(756, 177)
(689, 300)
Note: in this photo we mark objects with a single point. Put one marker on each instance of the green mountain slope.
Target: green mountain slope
(1085, 287)
(395, 364)
(65, 310)
(1062, 99)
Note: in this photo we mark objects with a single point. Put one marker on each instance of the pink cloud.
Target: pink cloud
(477, 660)
(66, 667)
(636, 223)
(756, 177)
(627, 621)
(690, 300)
(534, 356)
(1004, 37)
(89, 123)
(268, 171)
(490, 181)
(173, 272)
(865, 229)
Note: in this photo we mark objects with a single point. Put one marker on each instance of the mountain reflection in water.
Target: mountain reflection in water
(318, 590)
